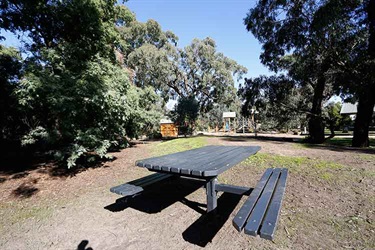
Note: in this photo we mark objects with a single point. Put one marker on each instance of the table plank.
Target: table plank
(227, 163)
(202, 162)
(188, 164)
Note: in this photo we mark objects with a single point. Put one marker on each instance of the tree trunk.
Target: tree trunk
(316, 125)
(332, 129)
(363, 119)
(366, 100)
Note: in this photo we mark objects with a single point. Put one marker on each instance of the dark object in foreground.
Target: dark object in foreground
(260, 212)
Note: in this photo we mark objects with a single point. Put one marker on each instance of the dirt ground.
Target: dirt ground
(329, 204)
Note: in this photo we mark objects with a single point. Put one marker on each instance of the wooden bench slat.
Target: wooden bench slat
(136, 186)
(256, 217)
(126, 189)
(270, 221)
(146, 179)
(244, 212)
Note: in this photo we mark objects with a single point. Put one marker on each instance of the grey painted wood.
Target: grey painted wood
(126, 189)
(269, 224)
(137, 186)
(239, 220)
(147, 179)
(232, 189)
(165, 163)
(211, 194)
(207, 161)
(180, 157)
(220, 167)
(176, 162)
(256, 216)
(216, 159)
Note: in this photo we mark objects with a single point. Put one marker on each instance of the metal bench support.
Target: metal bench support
(211, 194)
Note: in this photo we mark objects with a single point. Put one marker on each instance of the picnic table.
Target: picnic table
(260, 212)
(204, 163)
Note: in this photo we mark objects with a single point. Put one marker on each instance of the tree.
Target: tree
(366, 91)
(186, 114)
(10, 72)
(75, 96)
(354, 72)
(281, 105)
(197, 70)
(333, 117)
(294, 30)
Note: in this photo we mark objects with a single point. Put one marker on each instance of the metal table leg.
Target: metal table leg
(211, 194)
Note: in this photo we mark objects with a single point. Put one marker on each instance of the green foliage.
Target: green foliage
(334, 119)
(186, 114)
(35, 135)
(74, 96)
(10, 72)
(329, 45)
(197, 70)
(281, 103)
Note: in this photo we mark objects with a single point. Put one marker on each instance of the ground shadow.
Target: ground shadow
(298, 141)
(18, 164)
(202, 231)
(160, 196)
(83, 245)
(25, 190)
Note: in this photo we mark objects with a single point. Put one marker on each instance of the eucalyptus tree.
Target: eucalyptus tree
(280, 102)
(197, 70)
(354, 72)
(295, 39)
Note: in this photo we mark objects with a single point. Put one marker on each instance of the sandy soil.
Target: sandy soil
(42, 210)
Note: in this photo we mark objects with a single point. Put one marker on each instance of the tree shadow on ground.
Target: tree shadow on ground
(19, 164)
(25, 190)
(297, 141)
(162, 195)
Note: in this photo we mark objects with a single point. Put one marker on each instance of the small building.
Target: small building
(350, 109)
(168, 128)
(227, 116)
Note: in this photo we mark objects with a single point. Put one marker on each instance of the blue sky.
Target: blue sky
(221, 20)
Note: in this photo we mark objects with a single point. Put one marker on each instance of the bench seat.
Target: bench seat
(137, 186)
(260, 212)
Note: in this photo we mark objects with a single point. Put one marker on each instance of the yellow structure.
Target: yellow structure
(168, 128)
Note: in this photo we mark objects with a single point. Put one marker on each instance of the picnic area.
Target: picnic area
(203, 124)
(328, 202)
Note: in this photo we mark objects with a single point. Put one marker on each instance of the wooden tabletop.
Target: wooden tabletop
(201, 162)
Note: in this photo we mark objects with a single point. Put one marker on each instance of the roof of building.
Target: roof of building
(166, 121)
(349, 108)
